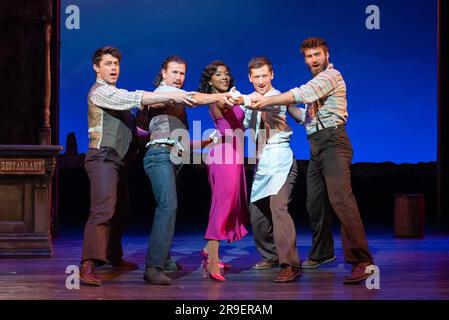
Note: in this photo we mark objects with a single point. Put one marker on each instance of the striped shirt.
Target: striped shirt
(325, 100)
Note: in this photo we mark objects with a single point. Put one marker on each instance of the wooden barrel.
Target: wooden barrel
(409, 215)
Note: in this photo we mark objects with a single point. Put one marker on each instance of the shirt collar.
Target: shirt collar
(269, 91)
(266, 94)
(101, 81)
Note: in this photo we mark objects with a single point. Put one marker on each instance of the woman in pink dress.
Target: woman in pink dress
(226, 173)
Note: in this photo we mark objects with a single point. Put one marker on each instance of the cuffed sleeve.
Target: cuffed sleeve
(110, 97)
(319, 87)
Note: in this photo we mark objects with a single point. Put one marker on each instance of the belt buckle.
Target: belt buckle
(170, 147)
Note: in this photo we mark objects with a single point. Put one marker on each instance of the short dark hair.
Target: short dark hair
(258, 62)
(96, 58)
(314, 42)
(209, 71)
(177, 59)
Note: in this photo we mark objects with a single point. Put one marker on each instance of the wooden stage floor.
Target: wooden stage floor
(409, 269)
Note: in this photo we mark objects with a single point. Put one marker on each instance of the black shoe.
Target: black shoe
(156, 276)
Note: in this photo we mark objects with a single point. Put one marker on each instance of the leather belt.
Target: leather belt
(161, 145)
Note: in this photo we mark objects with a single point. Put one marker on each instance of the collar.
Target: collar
(269, 92)
(104, 82)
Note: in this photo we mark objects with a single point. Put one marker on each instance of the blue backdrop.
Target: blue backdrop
(391, 73)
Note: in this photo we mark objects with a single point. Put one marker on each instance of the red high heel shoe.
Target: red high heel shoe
(221, 264)
(215, 276)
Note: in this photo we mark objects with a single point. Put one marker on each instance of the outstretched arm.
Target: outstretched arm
(297, 113)
(260, 102)
(199, 144)
(162, 99)
(250, 101)
(209, 98)
(198, 98)
(319, 87)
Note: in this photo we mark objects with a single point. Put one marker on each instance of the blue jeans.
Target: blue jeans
(162, 174)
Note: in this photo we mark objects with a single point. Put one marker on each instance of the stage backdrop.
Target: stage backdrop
(386, 51)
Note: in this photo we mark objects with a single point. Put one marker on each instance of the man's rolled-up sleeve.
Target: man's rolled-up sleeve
(319, 87)
(110, 97)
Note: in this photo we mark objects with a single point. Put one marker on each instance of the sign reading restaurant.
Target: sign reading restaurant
(22, 166)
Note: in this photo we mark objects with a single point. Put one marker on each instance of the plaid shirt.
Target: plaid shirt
(109, 117)
(109, 96)
(325, 100)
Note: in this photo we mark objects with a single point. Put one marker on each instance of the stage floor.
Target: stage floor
(409, 269)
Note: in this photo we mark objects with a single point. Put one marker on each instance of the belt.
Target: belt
(164, 146)
(326, 129)
(161, 145)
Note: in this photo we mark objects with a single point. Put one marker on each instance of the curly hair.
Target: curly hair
(157, 81)
(207, 74)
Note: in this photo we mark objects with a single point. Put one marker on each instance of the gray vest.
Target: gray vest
(109, 128)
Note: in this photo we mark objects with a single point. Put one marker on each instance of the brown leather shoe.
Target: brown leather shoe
(358, 273)
(87, 274)
(125, 265)
(265, 264)
(288, 274)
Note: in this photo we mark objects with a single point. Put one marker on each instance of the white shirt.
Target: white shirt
(276, 158)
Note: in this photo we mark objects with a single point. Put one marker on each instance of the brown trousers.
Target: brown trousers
(273, 227)
(109, 206)
(329, 191)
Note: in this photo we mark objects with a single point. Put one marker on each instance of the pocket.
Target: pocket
(342, 142)
(329, 139)
(111, 155)
(156, 157)
(94, 154)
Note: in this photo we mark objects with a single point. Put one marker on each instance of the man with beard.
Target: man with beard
(111, 127)
(168, 130)
(328, 174)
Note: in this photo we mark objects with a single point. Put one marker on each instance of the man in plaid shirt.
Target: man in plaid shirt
(328, 174)
(111, 127)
